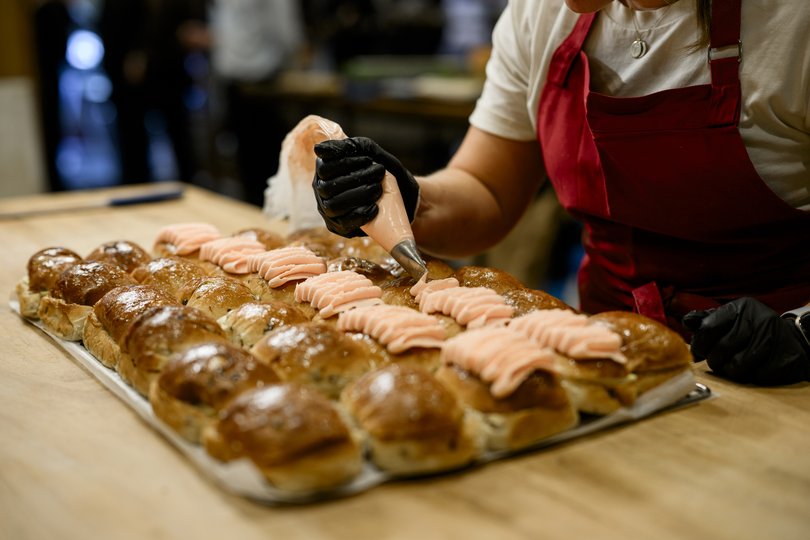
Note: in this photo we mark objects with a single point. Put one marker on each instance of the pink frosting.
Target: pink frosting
(335, 292)
(473, 307)
(187, 237)
(280, 266)
(397, 327)
(231, 253)
(498, 356)
(569, 334)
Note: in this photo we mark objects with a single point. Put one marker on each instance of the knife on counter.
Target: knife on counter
(151, 196)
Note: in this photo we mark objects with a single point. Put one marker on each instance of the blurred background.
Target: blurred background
(97, 93)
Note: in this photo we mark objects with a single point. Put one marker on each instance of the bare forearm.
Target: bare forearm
(457, 215)
(470, 205)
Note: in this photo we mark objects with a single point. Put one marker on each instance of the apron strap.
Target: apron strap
(569, 49)
(725, 55)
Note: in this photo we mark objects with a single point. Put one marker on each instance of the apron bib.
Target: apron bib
(675, 216)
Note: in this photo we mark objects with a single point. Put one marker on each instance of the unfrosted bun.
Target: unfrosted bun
(292, 433)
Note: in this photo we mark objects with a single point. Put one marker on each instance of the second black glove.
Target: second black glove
(348, 183)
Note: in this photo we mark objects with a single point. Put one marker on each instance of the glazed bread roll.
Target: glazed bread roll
(414, 425)
(491, 278)
(509, 386)
(319, 355)
(654, 352)
(215, 296)
(77, 289)
(122, 253)
(371, 270)
(589, 358)
(169, 274)
(109, 322)
(527, 300)
(319, 240)
(293, 434)
(156, 335)
(197, 383)
(248, 323)
(44, 268)
(269, 239)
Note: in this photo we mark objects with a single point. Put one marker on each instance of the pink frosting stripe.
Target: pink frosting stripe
(473, 307)
(231, 253)
(424, 287)
(187, 237)
(397, 327)
(498, 356)
(280, 266)
(335, 292)
(570, 334)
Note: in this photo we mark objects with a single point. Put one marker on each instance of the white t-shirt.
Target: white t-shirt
(774, 74)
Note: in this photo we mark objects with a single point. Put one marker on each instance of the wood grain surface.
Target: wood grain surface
(75, 463)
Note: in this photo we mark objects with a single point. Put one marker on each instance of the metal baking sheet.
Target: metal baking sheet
(243, 478)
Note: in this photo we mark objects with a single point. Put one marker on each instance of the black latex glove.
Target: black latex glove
(348, 182)
(747, 341)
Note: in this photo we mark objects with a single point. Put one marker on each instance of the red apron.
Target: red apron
(675, 215)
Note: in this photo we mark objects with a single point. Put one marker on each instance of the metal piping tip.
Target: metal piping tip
(408, 256)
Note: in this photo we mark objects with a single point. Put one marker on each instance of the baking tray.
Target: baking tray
(241, 477)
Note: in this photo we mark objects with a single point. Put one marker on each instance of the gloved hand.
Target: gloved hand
(348, 182)
(748, 342)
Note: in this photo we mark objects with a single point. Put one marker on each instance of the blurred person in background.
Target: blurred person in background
(145, 53)
(52, 24)
(251, 42)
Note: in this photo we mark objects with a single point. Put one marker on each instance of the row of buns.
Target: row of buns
(248, 371)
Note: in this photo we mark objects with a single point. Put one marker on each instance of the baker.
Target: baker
(676, 131)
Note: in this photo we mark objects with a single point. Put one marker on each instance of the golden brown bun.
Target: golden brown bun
(156, 335)
(492, 278)
(527, 300)
(85, 283)
(293, 434)
(75, 292)
(63, 319)
(286, 295)
(319, 355)
(169, 274)
(597, 386)
(108, 325)
(27, 299)
(99, 342)
(196, 383)
(259, 288)
(269, 239)
(246, 324)
(45, 267)
(427, 359)
(647, 344)
(373, 271)
(363, 247)
(318, 240)
(122, 253)
(215, 296)
(537, 409)
(414, 424)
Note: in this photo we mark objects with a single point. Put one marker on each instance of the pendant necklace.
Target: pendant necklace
(640, 46)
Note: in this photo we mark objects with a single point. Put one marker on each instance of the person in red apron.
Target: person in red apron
(671, 204)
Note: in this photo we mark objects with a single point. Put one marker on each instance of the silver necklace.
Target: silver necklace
(640, 46)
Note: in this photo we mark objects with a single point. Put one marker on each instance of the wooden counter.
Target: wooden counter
(76, 463)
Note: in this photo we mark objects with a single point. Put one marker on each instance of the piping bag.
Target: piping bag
(390, 227)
